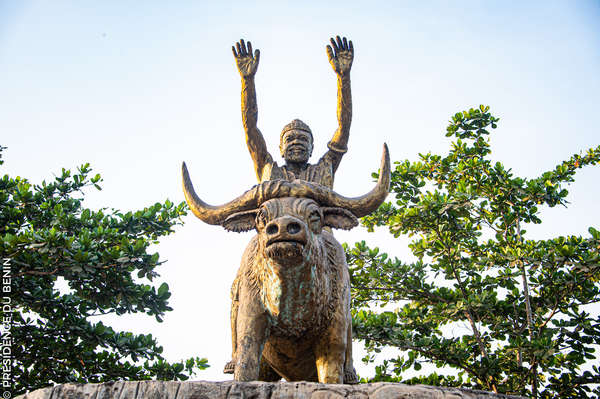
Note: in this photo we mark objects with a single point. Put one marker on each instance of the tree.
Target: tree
(65, 264)
(507, 313)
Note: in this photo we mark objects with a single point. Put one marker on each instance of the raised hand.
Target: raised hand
(246, 62)
(341, 55)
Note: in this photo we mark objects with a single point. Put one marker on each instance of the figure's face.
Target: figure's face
(296, 146)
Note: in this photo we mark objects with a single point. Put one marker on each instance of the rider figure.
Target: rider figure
(296, 140)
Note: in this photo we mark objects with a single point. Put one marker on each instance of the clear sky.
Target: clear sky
(135, 88)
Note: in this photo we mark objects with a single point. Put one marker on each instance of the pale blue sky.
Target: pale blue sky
(135, 88)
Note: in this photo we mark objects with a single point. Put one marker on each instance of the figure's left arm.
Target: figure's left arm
(341, 55)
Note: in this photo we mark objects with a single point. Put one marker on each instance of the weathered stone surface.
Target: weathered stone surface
(252, 390)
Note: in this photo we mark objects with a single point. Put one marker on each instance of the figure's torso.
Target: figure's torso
(321, 173)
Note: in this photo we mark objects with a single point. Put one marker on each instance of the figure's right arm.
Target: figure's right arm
(247, 64)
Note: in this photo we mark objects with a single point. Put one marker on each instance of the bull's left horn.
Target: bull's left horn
(215, 214)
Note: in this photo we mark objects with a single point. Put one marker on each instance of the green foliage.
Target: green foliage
(67, 264)
(508, 314)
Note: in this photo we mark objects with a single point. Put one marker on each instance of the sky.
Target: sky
(136, 88)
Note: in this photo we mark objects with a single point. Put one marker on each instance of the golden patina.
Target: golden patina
(290, 314)
(296, 140)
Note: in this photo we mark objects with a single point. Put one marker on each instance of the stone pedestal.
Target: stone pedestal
(251, 390)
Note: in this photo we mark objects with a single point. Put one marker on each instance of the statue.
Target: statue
(296, 140)
(292, 314)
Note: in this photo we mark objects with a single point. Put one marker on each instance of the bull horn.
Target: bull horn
(364, 205)
(214, 214)
(359, 206)
(253, 198)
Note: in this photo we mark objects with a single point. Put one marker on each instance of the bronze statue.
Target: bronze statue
(293, 307)
(290, 313)
(296, 140)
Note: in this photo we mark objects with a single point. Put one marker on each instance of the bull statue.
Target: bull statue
(290, 314)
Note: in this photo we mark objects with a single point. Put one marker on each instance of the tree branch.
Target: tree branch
(468, 311)
(533, 368)
(433, 355)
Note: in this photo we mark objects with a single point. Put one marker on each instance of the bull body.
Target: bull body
(290, 313)
(291, 299)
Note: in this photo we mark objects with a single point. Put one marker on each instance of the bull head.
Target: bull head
(252, 199)
(288, 226)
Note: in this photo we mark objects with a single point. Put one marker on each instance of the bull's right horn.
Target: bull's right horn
(359, 206)
(364, 205)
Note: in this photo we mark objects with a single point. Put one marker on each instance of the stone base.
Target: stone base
(251, 390)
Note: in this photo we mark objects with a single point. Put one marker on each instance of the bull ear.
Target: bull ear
(241, 221)
(339, 218)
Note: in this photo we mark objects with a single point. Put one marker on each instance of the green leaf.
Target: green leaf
(163, 289)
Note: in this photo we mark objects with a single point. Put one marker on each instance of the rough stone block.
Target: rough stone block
(252, 390)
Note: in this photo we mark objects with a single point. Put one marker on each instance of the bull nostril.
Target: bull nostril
(272, 229)
(293, 228)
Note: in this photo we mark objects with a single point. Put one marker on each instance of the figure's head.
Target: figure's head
(296, 142)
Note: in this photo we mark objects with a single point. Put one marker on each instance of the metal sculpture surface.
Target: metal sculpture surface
(290, 314)
(293, 301)
(296, 140)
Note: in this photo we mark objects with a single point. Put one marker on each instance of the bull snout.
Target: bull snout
(286, 228)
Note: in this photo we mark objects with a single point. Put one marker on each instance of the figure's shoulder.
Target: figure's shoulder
(271, 171)
(322, 172)
(331, 158)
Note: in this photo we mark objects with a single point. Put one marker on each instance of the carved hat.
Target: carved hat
(296, 124)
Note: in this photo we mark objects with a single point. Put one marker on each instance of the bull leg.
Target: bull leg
(230, 366)
(330, 354)
(251, 333)
(350, 376)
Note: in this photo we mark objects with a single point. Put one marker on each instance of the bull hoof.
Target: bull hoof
(350, 377)
(229, 367)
